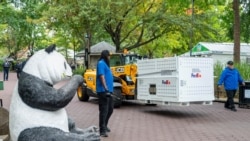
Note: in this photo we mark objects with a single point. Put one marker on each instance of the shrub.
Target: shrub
(79, 70)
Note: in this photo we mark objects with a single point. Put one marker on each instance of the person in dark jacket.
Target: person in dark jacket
(6, 68)
(231, 79)
(19, 68)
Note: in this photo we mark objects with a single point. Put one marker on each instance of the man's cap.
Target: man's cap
(230, 62)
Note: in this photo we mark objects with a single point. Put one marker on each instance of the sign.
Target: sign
(247, 93)
(167, 82)
(196, 73)
(199, 48)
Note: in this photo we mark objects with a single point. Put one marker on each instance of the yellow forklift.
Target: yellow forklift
(124, 69)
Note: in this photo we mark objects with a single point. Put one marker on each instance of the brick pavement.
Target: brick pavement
(137, 122)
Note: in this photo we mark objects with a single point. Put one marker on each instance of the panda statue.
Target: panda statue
(37, 109)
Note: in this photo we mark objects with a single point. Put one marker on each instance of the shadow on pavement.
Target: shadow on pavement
(176, 114)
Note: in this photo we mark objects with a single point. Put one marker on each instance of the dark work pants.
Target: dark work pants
(105, 110)
(18, 74)
(230, 99)
(5, 74)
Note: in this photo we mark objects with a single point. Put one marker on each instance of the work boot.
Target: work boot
(233, 109)
(108, 130)
(103, 134)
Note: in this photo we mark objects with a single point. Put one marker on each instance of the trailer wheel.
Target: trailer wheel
(117, 97)
(82, 93)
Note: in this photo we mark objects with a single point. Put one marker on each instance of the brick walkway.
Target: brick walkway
(137, 122)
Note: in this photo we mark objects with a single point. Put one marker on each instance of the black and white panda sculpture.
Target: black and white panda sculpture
(37, 109)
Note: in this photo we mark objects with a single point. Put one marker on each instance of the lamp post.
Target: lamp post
(87, 49)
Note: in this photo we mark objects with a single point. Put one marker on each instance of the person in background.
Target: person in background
(19, 67)
(104, 89)
(231, 78)
(73, 66)
(6, 68)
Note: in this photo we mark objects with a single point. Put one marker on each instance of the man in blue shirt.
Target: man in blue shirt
(231, 78)
(104, 89)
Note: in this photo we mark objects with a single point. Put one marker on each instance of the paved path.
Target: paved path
(137, 122)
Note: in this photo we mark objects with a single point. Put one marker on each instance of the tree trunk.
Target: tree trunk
(150, 54)
(236, 31)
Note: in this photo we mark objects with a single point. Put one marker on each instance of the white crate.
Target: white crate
(190, 80)
(153, 66)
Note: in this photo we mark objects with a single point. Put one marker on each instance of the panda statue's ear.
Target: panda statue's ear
(50, 48)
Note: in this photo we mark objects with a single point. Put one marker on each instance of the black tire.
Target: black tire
(117, 97)
(82, 93)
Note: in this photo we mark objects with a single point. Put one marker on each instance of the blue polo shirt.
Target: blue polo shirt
(103, 69)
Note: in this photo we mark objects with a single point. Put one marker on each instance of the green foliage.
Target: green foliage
(79, 70)
(244, 70)
(227, 18)
(204, 26)
(245, 21)
(156, 28)
(218, 68)
(23, 26)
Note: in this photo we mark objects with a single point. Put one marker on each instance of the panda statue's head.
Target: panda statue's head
(48, 65)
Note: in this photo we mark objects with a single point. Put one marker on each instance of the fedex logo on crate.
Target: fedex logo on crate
(196, 73)
(167, 82)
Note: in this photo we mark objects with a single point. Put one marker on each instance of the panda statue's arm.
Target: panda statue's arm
(38, 94)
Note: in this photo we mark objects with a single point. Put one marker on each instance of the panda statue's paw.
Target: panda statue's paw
(91, 129)
(78, 78)
(91, 137)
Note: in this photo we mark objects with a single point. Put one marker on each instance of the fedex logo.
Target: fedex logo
(196, 73)
(167, 82)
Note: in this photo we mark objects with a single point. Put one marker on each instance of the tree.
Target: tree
(236, 4)
(202, 25)
(24, 26)
(129, 24)
(132, 24)
(79, 18)
(245, 20)
(239, 28)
